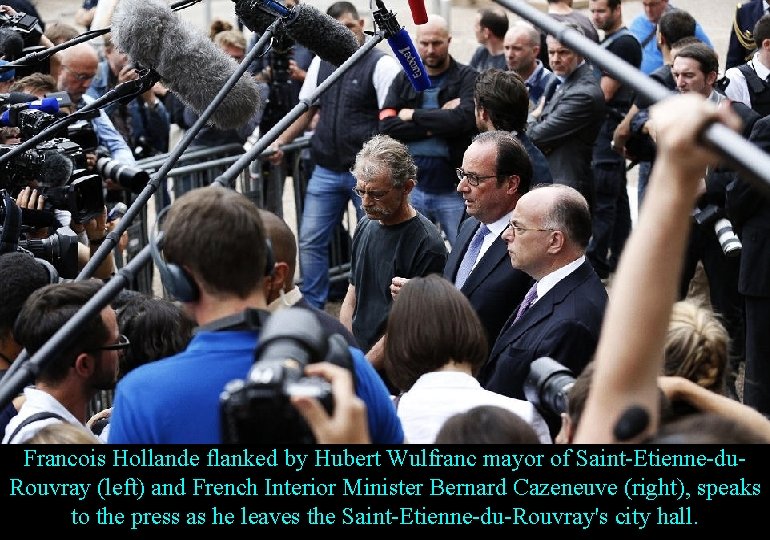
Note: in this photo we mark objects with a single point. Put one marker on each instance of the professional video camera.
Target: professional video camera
(548, 384)
(60, 249)
(258, 410)
(25, 25)
(20, 36)
(279, 101)
(713, 215)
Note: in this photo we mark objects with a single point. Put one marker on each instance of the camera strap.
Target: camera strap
(249, 319)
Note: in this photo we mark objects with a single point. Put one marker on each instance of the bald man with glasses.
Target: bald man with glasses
(561, 315)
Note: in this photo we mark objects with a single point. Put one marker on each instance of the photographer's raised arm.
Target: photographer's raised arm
(629, 355)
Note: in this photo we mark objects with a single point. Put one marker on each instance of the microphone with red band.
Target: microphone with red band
(419, 15)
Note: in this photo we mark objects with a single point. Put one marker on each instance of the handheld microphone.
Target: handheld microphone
(317, 31)
(403, 48)
(187, 61)
(419, 15)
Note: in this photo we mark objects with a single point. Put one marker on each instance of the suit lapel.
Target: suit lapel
(488, 262)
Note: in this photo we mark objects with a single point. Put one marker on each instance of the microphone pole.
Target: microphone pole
(25, 372)
(12, 383)
(37, 56)
(741, 154)
(152, 186)
(228, 177)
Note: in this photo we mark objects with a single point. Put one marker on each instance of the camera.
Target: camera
(60, 249)
(723, 228)
(82, 197)
(258, 410)
(131, 178)
(548, 384)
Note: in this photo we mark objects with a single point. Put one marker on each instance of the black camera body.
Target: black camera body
(548, 384)
(258, 410)
(32, 164)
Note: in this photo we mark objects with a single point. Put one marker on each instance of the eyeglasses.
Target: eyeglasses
(122, 344)
(376, 195)
(517, 229)
(80, 76)
(473, 179)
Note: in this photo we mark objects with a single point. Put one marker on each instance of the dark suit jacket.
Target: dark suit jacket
(564, 324)
(494, 287)
(567, 129)
(746, 16)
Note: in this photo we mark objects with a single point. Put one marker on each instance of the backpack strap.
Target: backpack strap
(45, 415)
(756, 85)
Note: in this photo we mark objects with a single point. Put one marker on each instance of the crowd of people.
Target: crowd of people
(492, 212)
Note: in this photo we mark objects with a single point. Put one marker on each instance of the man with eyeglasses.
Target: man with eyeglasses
(495, 172)
(561, 315)
(392, 239)
(79, 65)
(66, 382)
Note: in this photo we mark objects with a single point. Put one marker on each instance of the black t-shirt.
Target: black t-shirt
(380, 252)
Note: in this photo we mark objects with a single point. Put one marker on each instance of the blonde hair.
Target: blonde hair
(697, 346)
(63, 433)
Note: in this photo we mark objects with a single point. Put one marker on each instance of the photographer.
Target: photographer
(221, 281)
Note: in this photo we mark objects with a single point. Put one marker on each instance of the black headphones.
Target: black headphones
(175, 279)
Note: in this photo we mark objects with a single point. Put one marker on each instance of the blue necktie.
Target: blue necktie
(471, 254)
(529, 299)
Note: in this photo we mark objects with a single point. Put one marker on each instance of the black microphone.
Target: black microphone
(187, 61)
(403, 48)
(317, 31)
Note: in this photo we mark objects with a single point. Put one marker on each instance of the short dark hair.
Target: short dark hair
(762, 30)
(569, 213)
(431, 322)
(689, 40)
(675, 25)
(504, 96)
(46, 311)
(156, 327)
(495, 20)
(20, 276)
(217, 233)
(338, 9)
(512, 158)
(701, 53)
(486, 424)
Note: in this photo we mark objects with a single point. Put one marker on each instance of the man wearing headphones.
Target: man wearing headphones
(176, 400)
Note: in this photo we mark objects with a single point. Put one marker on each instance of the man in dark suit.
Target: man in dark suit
(570, 120)
(495, 172)
(562, 314)
(749, 210)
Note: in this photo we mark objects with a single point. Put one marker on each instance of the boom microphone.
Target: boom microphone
(317, 31)
(419, 15)
(187, 61)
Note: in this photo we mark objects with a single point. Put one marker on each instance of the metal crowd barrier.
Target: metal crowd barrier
(261, 182)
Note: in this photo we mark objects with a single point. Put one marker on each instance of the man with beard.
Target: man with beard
(436, 124)
(66, 383)
(392, 239)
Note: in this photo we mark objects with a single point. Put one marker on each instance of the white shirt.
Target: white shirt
(37, 401)
(738, 90)
(549, 282)
(440, 394)
(385, 71)
(495, 230)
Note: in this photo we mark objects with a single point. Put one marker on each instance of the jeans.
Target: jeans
(611, 217)
(645, 167)
(445, 208)
(326, 201)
